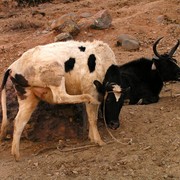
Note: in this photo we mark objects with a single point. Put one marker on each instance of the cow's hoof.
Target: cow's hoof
(101, 143)
(16, 157)
(15, 154)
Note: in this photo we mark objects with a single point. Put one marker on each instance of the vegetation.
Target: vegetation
(31, 2)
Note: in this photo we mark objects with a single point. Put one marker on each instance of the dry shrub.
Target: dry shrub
(23, 3)
(22, 24)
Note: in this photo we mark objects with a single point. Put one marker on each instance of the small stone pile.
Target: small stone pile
(69, 25)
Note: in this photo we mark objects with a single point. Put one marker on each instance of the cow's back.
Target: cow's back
(80, 62)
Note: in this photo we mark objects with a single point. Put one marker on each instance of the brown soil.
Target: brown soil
(51, 145)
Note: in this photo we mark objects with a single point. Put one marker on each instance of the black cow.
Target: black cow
(140, 81)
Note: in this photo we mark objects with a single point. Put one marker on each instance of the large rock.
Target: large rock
(128, 42)
(66, 24)
(101, 20)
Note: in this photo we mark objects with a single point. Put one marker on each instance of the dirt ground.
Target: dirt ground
(54, 144)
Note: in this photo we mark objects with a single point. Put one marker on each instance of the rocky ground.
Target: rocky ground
(54, 144)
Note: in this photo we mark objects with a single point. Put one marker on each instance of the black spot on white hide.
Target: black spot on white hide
(82, 48)
(69, 64)
(92, 62)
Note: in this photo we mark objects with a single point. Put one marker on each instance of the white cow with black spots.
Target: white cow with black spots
(58, 73)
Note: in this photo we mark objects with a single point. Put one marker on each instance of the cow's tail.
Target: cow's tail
(4, 107)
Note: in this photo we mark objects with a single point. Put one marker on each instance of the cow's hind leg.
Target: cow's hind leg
(92, 112)
(5, 121)
(26, 108)
(4, 127)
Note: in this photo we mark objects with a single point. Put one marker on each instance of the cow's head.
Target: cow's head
(166, 64)
(114, 96)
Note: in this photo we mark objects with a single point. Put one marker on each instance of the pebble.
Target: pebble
(75, 172)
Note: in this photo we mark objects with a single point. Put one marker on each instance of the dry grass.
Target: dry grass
(23, 24)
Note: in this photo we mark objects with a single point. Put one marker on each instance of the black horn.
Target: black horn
(155, 48)
(109, 85)
(173, 49)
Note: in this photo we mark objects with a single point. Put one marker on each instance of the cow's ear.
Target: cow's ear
(99, 86)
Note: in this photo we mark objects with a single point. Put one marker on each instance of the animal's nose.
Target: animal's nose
(113, 125)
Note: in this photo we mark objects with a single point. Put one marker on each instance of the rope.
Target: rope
(104, 118)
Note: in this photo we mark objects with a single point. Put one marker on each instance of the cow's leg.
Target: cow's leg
(60, 95)
(92, 113)
(150, 100)
(26, 108)
(5, 121)
(4, 126)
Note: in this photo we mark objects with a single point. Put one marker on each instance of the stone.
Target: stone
(123, 37)
(61, 20)
(130, 44)
(85, 15)
(66, 24)
(63, 37)
(102, 20)
(160, 19)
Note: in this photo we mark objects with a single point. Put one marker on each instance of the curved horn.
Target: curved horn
(155, 46)
(173, 49)
(109, 85)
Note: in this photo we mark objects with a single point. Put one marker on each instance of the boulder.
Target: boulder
(66, 24)
(102, 20)
(128, 42)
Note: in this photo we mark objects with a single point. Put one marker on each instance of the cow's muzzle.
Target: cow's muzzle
(113, 125)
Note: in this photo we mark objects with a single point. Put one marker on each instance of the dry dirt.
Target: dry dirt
(49, 143)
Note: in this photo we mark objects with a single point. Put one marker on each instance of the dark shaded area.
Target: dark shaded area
(48, 122)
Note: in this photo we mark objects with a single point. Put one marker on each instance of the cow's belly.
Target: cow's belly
(73, 88)
(73, 83)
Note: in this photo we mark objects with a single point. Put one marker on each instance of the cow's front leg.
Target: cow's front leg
(92, 113)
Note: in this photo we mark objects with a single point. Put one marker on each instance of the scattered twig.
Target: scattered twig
(44, 150)
(69, 149)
